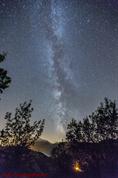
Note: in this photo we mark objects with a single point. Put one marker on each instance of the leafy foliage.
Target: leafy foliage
(5, 80)
(100, 125)
(18, 129)
(61, 157)
(58, 150)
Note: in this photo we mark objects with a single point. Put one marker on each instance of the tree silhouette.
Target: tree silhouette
(61, 157)
(58, 150)
(74, 130)
(18, 130)
(100, 125)
(5, 80)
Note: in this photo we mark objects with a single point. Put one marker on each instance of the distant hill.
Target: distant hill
(43, 146)
(22, 160)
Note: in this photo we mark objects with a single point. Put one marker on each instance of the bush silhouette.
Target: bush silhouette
(18, 130)
(101, 125)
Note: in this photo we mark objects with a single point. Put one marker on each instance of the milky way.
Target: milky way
(62, 54)
(61, 72)
(56, 44)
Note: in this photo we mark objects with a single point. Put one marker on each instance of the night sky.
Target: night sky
(62, 54)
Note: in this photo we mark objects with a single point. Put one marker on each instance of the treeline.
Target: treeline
(99, 126)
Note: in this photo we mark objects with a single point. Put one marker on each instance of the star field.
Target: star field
(62, 54)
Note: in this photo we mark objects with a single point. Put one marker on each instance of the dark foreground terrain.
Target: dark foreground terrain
(16, 161)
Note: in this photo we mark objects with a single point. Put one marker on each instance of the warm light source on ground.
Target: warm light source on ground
(77, 167)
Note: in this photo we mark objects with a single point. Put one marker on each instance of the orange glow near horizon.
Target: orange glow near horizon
(77, 167)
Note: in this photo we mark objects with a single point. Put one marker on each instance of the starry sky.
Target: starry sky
(62, 54)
